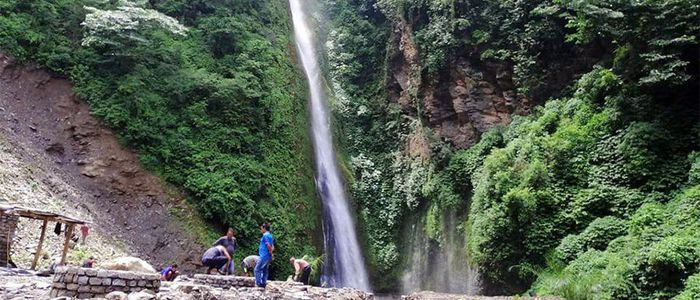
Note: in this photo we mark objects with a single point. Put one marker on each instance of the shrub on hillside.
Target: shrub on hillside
(691, 290)
(597, 235)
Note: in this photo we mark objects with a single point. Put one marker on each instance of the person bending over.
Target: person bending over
(302, 270)
(216, 258)
(248, 264)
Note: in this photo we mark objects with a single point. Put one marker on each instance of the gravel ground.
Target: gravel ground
(21, 284)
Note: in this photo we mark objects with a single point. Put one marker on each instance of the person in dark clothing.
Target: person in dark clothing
(215, 258)
(169, 273)
(88, 263)
(229, 242)
(302, 270)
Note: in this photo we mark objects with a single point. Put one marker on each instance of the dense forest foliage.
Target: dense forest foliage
(595, 195)
(207, 92)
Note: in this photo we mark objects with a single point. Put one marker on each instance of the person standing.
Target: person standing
(302, 270)
(266, 251)
(215, 258)
(248, 264)
(229, 242)
(84, 231)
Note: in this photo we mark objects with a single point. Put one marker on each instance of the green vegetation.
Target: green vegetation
(594, 195)
(571, 179)
(580, 197)
(205, 91)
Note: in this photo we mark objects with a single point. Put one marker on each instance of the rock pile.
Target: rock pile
(224, 281)
(89, 283)
(20, 284)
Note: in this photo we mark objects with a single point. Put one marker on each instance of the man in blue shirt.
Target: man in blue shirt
(169, 273)
(266, 251)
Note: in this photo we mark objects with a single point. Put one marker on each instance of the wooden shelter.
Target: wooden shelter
(8, 223)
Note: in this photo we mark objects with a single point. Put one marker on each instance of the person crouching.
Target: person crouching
(169, 273)
(216, 258)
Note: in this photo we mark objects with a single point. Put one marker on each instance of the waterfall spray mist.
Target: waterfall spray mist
(438, 265)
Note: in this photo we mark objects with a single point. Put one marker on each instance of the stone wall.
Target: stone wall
(8, 224)
(89, 283)
(224, 282)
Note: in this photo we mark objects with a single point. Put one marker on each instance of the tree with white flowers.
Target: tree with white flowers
(124, 25)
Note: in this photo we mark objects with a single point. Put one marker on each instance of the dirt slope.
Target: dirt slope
(58, 157)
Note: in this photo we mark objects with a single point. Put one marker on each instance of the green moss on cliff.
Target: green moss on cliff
(570, 177)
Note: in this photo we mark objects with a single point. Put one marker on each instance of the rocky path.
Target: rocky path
(56, 156)
(21, 285)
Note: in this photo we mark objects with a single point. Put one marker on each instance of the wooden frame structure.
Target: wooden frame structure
(47, 217)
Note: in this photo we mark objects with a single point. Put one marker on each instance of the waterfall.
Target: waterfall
(438, 265)
(344, 261)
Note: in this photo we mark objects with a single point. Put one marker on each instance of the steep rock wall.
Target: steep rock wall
(460, 103)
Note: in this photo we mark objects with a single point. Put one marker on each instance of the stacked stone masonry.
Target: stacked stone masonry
(224, 282)
(8, 224)
(85, 283)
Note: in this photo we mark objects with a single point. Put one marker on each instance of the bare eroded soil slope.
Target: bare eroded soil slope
(58, 157)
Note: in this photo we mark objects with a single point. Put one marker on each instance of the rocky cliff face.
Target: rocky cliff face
(440, 112)
(459, 104)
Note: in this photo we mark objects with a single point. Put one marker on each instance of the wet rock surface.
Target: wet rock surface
(470, 100)
(459, 104)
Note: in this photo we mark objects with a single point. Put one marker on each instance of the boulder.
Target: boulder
(141, 296)
(116, 296)
(128, 263)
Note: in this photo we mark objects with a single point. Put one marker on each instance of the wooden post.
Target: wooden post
(41, 243)
(69, 234)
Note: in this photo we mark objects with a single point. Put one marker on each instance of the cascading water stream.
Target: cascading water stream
(344, 257)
